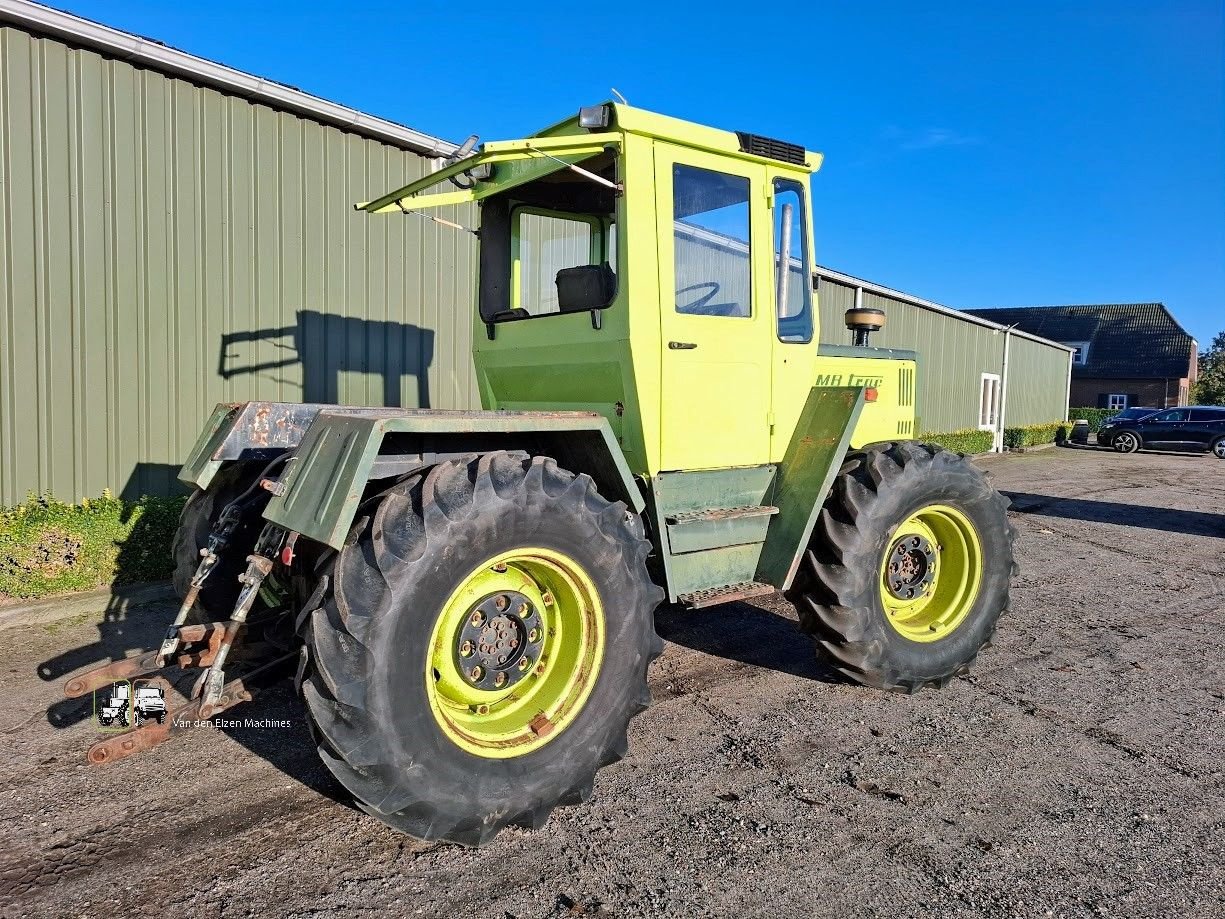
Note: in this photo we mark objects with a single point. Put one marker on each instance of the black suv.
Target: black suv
(1194, 427)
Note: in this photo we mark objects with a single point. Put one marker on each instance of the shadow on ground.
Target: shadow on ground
(1170, 520)
(749, 634)
(288, 746)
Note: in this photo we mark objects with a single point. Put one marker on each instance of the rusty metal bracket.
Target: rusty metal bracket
(208, 634)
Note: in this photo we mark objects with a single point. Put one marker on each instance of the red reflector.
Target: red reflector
(869, 394)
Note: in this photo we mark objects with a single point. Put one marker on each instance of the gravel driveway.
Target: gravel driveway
(1076, 772)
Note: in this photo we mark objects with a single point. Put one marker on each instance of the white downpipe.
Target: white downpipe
(1067, 393)
(999, 416)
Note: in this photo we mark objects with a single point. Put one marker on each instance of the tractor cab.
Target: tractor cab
(656, 271)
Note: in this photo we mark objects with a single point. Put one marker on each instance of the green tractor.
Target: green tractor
(468, 596)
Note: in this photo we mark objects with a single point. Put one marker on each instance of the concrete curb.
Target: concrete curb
(118, 601)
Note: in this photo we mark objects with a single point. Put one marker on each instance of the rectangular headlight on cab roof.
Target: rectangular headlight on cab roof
(595, 117)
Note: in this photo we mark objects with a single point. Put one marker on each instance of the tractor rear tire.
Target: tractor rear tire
(908, 568)
(200, 513)
(384, 673)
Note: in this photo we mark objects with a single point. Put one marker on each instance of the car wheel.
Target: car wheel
(1218, 448)
(1125, 442)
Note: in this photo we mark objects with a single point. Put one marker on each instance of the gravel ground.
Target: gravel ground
(1076, 772)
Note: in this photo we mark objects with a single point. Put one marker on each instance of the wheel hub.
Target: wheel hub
(911, 567)
(499, 641)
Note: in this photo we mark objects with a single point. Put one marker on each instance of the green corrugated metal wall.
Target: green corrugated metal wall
(953, 356)
(166, 246)
(1037, 383)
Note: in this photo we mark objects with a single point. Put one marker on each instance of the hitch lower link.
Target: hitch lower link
(189, 646)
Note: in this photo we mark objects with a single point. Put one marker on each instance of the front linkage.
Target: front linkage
(205, 645)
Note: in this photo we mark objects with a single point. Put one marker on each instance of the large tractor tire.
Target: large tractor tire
(200, 513)
(477, 649)
(908, 568)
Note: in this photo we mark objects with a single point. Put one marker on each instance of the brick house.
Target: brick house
(1126, 354)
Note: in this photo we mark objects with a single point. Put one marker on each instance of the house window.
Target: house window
(1080, 355)
(1116, 401)
(989, 402)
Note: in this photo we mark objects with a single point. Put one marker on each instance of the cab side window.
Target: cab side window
(792, 286)
(711, 242)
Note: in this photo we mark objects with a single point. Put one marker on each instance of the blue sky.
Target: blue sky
(976, 154)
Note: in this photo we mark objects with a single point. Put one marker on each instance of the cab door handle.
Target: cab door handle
(682, 345)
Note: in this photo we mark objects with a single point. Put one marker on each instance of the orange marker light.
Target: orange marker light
(869, 394)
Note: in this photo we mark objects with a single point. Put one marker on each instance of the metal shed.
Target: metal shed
(973, 373)
(176, 233)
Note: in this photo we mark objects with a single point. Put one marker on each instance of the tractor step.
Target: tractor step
(715, 514)
(712, 596)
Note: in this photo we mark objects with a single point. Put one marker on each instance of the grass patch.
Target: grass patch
(49, 547)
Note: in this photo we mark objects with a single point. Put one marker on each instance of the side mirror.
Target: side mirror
(587, 287)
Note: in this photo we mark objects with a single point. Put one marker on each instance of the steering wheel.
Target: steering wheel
(702, 304)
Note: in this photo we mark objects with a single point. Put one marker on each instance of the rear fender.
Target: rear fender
(345, 449)
(247, 431)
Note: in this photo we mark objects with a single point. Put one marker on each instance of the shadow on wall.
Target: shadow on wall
(328, 347)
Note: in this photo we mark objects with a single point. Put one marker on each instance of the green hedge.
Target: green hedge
(968, 440)
(1030, 435)
(1095, 416)
(49, 547)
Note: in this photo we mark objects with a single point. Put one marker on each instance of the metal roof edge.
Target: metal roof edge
(892, 294)
(126, 46)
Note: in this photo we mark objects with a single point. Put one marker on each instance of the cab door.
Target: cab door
(716, 314)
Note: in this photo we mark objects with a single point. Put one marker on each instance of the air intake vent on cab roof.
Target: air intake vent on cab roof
(770, 148)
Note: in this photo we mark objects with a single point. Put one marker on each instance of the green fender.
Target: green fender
(343, 449)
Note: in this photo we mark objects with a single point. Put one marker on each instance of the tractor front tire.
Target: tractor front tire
(908, 568)
(479, 646)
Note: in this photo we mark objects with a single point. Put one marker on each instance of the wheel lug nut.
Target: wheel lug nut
(547, 598)
(500, 680)
(466, 648)
(501, 602)
(524, 663)
(533, 635)
(477, 618)
(522, 610)
(540, 668)
(476, 673)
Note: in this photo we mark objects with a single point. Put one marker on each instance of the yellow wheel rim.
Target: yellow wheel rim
(515, 653)
(930, 573)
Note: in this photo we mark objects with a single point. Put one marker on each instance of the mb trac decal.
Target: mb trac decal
(852, 379)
